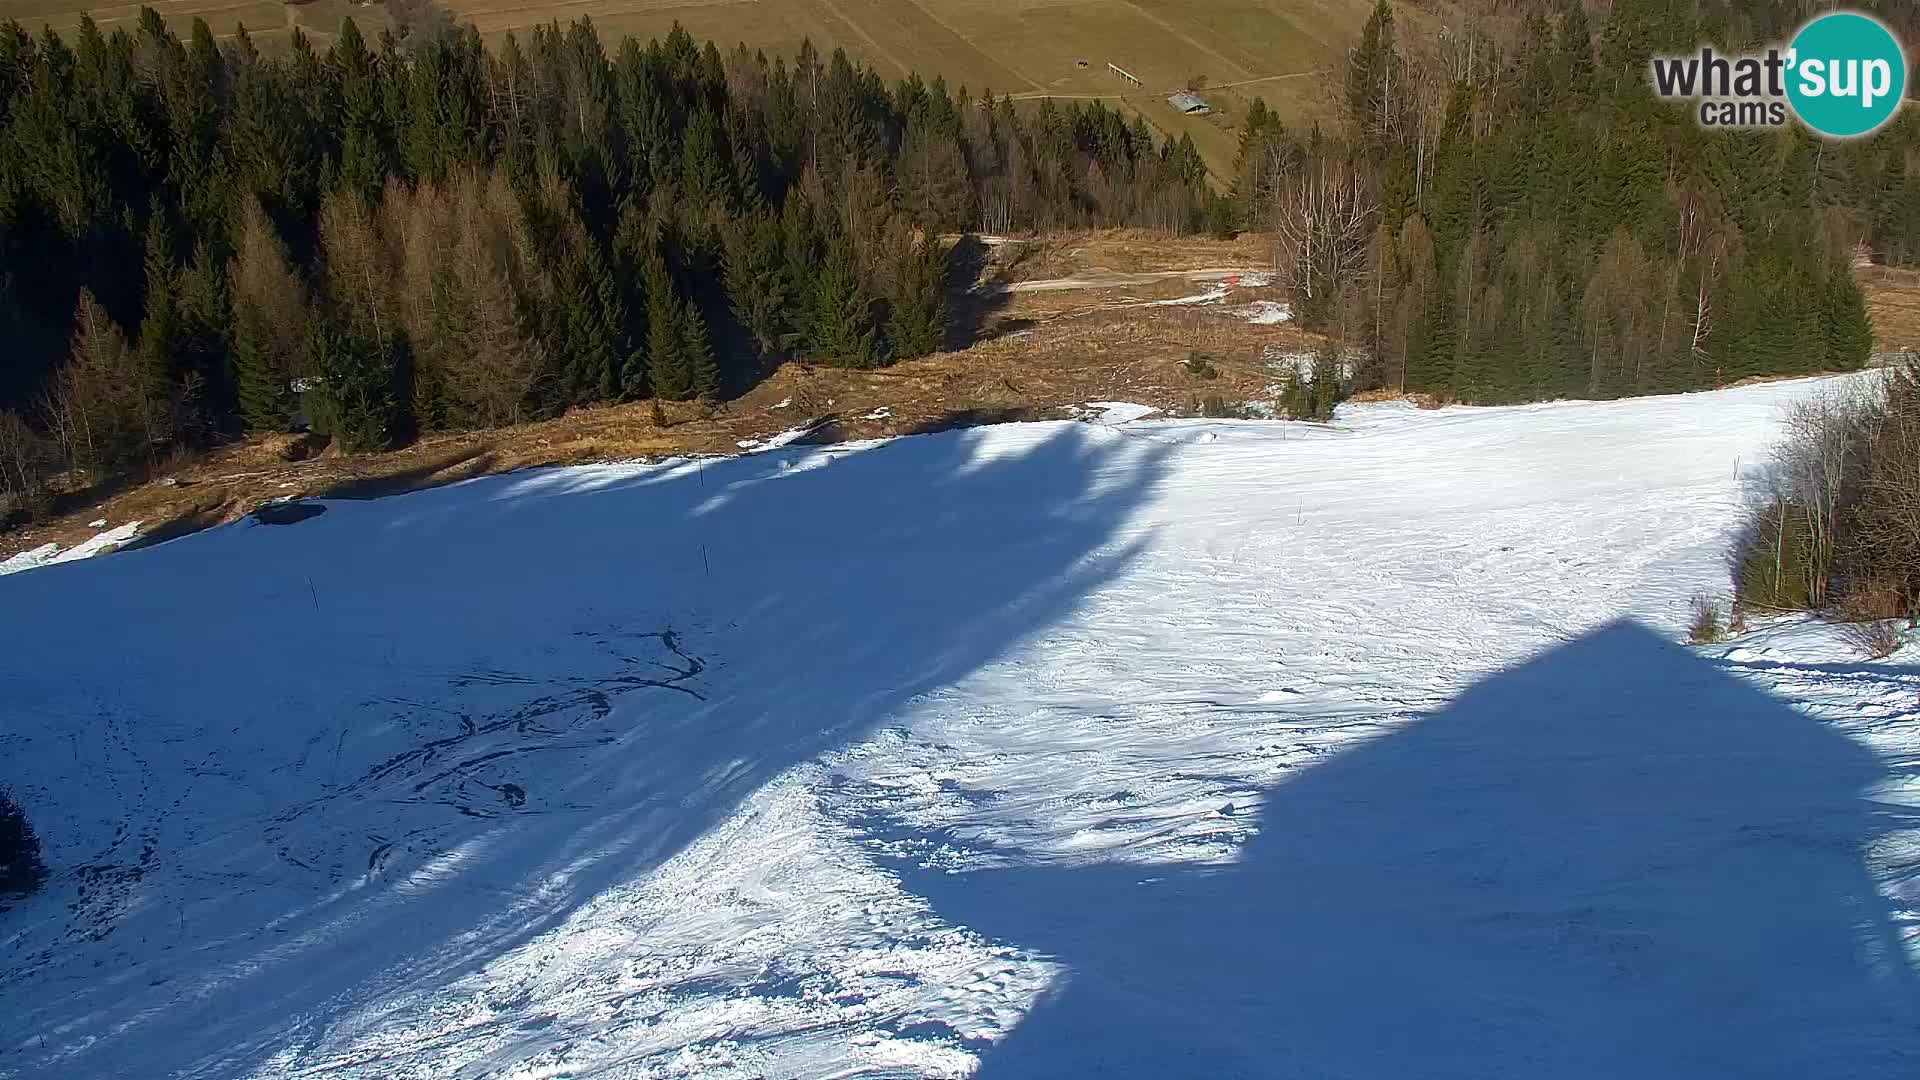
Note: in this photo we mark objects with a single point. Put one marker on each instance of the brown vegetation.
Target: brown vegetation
(1037, 363)
(1893, 302)
(1840, 531)
(1875, 640)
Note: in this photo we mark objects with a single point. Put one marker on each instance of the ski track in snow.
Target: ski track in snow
(922, 756)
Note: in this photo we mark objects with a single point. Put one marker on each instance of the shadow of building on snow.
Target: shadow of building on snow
(1610, 861)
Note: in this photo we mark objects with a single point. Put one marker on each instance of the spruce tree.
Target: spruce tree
(364, 164)
(697, 353)
(668, 369)
(704, 165)
(351, 392)
(204, 346)
(22, 868)
(1849, 329)
(759, 289)
(917, 308)
(934, 186)
(590, 328)
(1370, 74)
(840, 328)
(1573, 54)
(160, 322)
(804, 251)
(266, 399)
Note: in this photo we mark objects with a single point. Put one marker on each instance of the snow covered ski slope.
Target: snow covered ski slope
(1136, 748)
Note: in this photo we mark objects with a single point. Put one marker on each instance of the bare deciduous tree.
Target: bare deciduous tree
(27, 461)
(1622, 314)
(1885, 515)
(1419, 278)
(266, 293)
(105, 409)
(360, 263)
(470, 284)
(1323, 218)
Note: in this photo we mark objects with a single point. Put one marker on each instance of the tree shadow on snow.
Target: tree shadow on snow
(444, 722)
(1610, 861)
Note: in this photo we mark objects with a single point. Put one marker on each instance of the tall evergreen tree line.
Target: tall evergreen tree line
(199, 239)
(1515, 216)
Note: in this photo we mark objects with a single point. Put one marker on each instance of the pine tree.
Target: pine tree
(935, 189)
(204, 347)
(351, 386)
(364, 157)
(697, 353)
(840, 328)
(917, 308)
(268, 306)
(1849, 329)
(759, 289)
(1258, 165)
(1573, 54)
(198, 168)
(266, 399)
(804, 250)
(668, 369)
(22, 868)
(160, 323)
(590, 324)
(1371, 72)
(704, 165)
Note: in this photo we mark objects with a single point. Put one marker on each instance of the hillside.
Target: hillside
(1165, 747)
(1065, 320)
(1057, 322)
(1280, 50)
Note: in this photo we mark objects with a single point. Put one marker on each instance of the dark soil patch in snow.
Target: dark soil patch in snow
(287, 513)
(966, 418)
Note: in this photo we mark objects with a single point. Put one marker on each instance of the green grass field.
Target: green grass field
(1287, 51)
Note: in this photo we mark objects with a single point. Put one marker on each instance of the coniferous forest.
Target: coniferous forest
(199, 240)
(1519, 217)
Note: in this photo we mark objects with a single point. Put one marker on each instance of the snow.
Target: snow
(1120, 412)
(49, 554)
(1265, 312)
(1176, 748)
(1214, 294)
(786, 438)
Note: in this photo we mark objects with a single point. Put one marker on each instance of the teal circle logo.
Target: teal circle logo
(1847, 74)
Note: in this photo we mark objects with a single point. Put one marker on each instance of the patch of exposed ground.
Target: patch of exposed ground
(1125, 251)
(1893, 299)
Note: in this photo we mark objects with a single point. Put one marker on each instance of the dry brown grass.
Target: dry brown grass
(1127, 251)
(1893, 300)
(1416, 398)
(1706, 626)
(266, 20)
